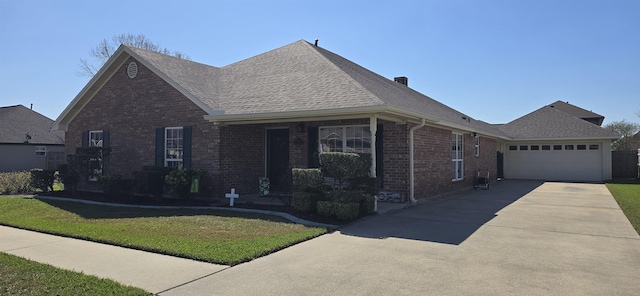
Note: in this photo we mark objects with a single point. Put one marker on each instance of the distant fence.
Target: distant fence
(624, 164)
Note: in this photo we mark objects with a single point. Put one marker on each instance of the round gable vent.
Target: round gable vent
(132, 70)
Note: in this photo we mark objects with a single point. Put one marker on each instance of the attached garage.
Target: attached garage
(557, 161)
(558, 142)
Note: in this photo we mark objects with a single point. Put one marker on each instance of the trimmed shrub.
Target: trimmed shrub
(339, 166)
(365, 184)
(346, 211)
(306, 179)
(68, 176)
(342, 211)
(306, 201)
(115, 185)
(368, 204)
(325, 208)
(15, 183)
(180, 181)
(150, 181)
(344, 196)
(344, 167)
(43, 179)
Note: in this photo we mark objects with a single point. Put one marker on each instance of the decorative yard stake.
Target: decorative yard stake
(232, 196)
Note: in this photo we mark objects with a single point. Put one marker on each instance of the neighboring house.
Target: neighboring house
(27, 141)
(264, 115)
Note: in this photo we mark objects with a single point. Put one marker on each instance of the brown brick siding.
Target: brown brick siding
(131, 110)
(433, 164)
(234, 155)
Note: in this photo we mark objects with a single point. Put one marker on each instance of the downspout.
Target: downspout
(411, 182)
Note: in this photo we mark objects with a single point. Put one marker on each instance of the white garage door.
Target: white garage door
(554, 162)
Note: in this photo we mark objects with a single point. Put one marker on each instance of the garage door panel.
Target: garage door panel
(554, 165)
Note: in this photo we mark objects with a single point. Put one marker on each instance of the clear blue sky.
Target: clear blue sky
(493, 60)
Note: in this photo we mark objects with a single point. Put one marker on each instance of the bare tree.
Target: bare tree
(627, 130)
(106, 48)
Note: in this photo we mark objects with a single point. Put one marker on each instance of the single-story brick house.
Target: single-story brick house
(261, 116)
(27, 141)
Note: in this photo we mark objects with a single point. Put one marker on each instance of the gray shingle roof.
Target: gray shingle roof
(18, 121)
(198, 79)
(291, 78)
(551, 123)
(299, 77)
(575, 110)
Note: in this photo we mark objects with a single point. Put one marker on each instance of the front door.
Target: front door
(278, 160)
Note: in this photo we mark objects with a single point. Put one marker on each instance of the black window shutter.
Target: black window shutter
(85, 139)
(380, 155)
(105, 159)
(312, 157)
(105, 139)
(186, 146)
(160, 146)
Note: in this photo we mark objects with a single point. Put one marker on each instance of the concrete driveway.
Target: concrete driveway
(520, 237)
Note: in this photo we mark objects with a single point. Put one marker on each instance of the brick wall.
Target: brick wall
(234, 156)
(433, 165)
(131, 110)
(242, 158)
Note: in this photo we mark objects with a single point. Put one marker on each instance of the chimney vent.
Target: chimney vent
(316, 43)
(402, 79)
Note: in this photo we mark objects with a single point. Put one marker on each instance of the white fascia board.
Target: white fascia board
(468, 129)
(307, 115)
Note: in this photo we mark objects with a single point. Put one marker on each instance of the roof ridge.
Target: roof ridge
(541, 121)
(342, 72)
(169, 56)
(13, 106)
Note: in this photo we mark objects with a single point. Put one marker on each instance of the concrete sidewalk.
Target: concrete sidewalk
(153, 272)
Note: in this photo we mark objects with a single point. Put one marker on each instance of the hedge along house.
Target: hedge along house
(264, 115)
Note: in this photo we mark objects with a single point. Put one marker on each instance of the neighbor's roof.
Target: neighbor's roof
(16, 122)
(550, 123)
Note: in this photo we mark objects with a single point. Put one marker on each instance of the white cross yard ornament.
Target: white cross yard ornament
(232, 196)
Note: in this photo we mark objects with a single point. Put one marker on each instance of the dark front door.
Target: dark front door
(278, 160)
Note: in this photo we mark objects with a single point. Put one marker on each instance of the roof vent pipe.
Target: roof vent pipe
(402, 80)
(316, 43)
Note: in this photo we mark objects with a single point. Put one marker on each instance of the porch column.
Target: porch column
(373, 128)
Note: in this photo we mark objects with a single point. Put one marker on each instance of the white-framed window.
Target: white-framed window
(41, 151)
(356, 139)
(173, 147)
(457, 156)
(95, 140)
(476, 145)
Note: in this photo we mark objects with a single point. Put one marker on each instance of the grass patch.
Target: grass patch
(627, 194)
(222, 237)
(20, 276)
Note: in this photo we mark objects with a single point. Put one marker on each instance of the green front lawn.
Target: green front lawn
(627, 194)
(19, 276)
(222, 237)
